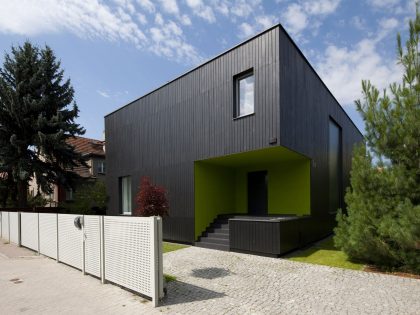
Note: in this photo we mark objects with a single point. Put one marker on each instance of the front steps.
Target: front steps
(216, 235)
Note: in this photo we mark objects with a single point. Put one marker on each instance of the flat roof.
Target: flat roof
(278, 25)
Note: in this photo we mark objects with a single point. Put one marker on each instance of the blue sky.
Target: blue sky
(115, 51)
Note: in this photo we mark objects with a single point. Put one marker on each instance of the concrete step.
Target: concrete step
(212, 246)
(215, 240)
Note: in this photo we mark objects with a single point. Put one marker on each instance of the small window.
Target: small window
(125, 190)
(244, 94)
(101, 167)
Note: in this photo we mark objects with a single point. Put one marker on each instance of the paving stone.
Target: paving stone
(208, 282)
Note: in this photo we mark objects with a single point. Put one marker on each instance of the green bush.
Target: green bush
(382, 223)
(88, 198)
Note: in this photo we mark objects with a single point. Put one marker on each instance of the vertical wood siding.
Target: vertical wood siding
(306, 107)
(162, 134)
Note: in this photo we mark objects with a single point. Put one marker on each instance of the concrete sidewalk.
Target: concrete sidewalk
(208, 282)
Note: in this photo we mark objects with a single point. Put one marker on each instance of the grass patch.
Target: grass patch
(324, 253)
(170, 247)
(169, 278)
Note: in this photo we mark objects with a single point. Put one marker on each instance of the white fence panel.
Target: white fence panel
(128, 253)
(48, 234)
(14, 227)
(29, 230)
(70, 241)
(5, 225)
(92, 235)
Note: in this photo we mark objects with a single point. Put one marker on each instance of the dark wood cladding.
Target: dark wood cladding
(277, 237)
(191, 118)
(306, 107)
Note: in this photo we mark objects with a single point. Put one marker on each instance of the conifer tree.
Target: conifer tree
(37, 115)
(382, 224)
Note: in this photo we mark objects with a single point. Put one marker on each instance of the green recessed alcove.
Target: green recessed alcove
(220, 184)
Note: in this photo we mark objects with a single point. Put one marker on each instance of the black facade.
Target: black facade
(191, 118)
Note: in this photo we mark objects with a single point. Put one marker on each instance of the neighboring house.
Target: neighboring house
(94, 151)
(253, 148)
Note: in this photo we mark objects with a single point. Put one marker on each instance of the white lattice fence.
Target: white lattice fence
(123, 250)
(70, 241)
(92, 235)
(48, 234)
(29, 230)
(5, 225)
(14, 228)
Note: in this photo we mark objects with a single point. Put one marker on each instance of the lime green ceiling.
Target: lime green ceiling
(256, 157)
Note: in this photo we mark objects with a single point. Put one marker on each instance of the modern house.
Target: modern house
(94, 151)
(253, 148)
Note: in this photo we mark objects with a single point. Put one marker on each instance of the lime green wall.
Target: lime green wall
(221, 184)
(288, 187)
(214, 190)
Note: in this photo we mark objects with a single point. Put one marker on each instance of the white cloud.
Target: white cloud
(358, 22)
(261, 22)
(167, 40)
(94, 19)
(103, 93)
(170, 6)
(246, 30)
(243, 8)
(147, 5)
(321, 7)
(141, 18)
(295, 19)
(343, 69)
(202, 10)
(82, 18)
(383, 4)
(298, 16)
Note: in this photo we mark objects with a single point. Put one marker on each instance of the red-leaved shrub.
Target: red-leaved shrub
(151, 199)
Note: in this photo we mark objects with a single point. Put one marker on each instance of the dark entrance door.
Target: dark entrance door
(257, 193)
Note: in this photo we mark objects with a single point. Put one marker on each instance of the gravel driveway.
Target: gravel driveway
(208, 282)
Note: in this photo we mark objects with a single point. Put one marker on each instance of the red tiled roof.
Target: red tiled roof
(87, 146)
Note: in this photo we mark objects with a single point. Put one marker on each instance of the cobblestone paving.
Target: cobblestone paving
(231, 283)
(208, 282)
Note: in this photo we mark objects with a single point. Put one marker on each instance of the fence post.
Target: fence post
(8, 227)
(83, 246)
(58, 248)
(102, 247)
(154, 263)
(19, 231)
(160, 256)
(39, 242)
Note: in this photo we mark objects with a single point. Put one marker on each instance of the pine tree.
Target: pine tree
(382, 224)
(37, 115)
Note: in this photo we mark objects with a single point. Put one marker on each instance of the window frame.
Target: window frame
(101, 168)
(121, 190)
(236, 91)
(332, 121)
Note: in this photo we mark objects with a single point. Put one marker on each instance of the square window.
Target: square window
(244, 94)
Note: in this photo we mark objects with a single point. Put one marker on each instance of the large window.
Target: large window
(244, 94)
(335, 166)
(125, 190)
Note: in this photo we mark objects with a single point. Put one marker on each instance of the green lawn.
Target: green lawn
(170, 247)
(324, 253)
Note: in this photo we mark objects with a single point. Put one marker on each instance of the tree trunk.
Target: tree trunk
(22, 188)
